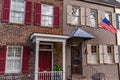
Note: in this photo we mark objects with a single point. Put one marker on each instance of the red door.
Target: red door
(45, 64)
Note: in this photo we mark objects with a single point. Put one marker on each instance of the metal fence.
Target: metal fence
(50, 75)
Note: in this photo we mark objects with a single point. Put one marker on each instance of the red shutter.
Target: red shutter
(56, 16)
(25, 60)
(28, 12)
(37, 14)
(5, 10)
(2, 59)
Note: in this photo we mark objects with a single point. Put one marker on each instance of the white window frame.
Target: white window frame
(10, 17)
(95, 56)
(95, 19)
(110, 16)
(77, 16)
(118, 21)
(14, 71)
(111, 55)
(48, 16)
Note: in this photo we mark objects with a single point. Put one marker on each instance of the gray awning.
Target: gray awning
(79, 33)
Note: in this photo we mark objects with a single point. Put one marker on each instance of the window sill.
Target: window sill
(19, 24)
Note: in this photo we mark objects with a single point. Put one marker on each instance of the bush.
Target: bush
(57, 68)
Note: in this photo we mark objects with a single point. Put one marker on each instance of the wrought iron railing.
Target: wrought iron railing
(93, 74)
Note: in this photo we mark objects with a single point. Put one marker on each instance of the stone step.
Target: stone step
(79, 78)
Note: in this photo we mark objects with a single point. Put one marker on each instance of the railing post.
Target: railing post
(64, 59)
(36, 60)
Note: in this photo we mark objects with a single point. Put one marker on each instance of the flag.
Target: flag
(107, 25)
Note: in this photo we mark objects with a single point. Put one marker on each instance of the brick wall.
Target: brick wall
(18, 34)
(11, 33)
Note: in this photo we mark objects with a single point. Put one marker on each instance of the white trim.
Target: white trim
(36, 59)
(13, 71)
(48, 36)
(37, 38)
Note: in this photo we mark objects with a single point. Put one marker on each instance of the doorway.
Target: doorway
(76, 60)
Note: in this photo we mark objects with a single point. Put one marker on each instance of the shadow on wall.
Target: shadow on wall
(98, 76)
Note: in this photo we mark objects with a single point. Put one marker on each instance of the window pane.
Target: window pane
(47, 15)
(75, 20)
(14, 59)
(47, 10)
(75, 11)
(108, 16)
(110, 58)
(10, 65)
(94, 49)
(10, 52)
(119, 25)
(17, 65)
(92, 22)
(119, 18)
(18, 52)
(93, 17)
(17, 11)
(47, 21)
(110, 49)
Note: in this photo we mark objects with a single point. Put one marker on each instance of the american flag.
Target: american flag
(107, 25)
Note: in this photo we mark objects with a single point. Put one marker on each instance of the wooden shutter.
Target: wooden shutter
(114, 20)
(99, 16)
(105, 54)
(69, 14)
(2, 59)
(37, 14)
(88, 17)
(89, 54)
(25, 59)
(116, 54)
(101, 54)
(6, 10)
(82, 17)
(28, 12)
(56, 16)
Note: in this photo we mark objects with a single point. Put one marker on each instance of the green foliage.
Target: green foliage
(57, 68)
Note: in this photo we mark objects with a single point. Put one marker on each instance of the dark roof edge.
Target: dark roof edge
(100, 3)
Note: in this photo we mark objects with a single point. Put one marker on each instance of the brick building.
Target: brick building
(57, 40)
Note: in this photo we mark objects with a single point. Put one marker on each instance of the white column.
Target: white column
(36, 60)
(64, 59)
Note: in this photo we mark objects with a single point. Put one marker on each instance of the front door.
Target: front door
(76, 60)
(45, 65)
(45, 60)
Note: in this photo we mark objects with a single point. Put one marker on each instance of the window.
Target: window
(17, 11)
(110, 51)
(94, 49)
(14, 59)
(94, 53)
(75, 15)
(118, 0)
(47, 15)
(118, 21)
(108, 15)
(93, 17)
